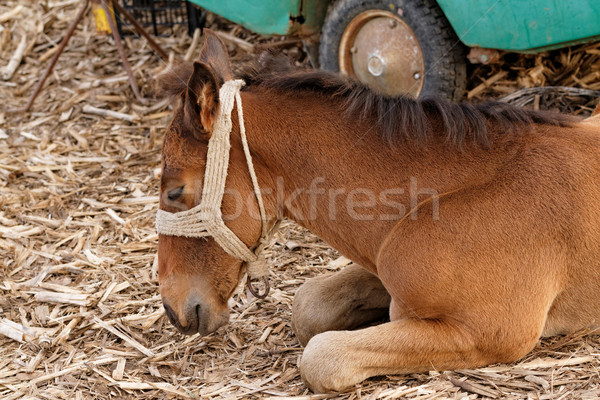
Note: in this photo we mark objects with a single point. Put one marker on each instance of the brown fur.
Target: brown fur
(514, 254)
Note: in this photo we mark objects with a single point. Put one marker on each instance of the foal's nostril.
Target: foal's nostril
(192, 315)
(171, 314)
(201, 322)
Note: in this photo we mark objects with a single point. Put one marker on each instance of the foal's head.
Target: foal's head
(196, 275)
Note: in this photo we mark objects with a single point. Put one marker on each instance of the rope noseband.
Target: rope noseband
(206, 218)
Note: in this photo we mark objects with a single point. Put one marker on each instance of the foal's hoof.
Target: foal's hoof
(322, 367)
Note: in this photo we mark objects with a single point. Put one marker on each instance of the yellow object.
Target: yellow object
(102, 25)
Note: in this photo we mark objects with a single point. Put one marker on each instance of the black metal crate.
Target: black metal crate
(161, 13)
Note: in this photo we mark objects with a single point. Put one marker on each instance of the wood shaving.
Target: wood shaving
(80, 312)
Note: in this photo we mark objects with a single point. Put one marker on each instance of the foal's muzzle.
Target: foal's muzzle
(195, 317)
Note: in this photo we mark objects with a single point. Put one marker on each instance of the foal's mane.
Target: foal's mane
(398, 118)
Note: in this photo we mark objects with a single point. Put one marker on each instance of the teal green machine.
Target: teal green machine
(400, 46)
(271, 17)
(523, 25)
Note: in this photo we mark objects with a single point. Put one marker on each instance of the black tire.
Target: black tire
(443, 54)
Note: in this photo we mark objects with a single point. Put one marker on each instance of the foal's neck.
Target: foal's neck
(340, 179)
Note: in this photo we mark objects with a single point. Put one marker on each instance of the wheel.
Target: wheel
(395, 47)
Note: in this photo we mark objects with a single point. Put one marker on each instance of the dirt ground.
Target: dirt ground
(80, 313)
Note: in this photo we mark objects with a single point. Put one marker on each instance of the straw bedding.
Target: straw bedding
(80, 314)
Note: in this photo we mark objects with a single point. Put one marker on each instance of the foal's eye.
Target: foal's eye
(174, 194)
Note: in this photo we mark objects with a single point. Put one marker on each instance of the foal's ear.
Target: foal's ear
(201, 100)
(214, 53)
(211, 69)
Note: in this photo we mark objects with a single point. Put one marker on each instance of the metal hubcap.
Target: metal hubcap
(376, 65)
(379, 49)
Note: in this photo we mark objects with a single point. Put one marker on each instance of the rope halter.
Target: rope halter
(206, 218)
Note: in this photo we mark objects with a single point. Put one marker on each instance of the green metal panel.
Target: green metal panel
(271, 17)
(523, 25)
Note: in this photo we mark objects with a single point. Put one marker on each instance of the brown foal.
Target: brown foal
(476, 228)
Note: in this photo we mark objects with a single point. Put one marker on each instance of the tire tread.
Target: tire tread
(431, 27)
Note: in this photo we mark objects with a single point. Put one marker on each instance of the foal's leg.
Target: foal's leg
(336, 360)
(348, 299)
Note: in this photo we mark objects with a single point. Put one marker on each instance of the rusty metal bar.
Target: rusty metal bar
(119, 44)
(56, 56)
(141, 30)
